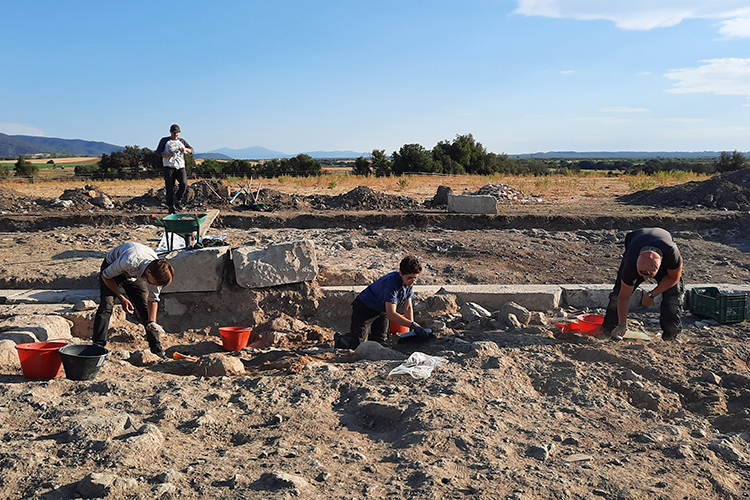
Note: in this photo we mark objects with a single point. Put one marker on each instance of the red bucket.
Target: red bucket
(590, 324)
(40, 360)
(234, 338)
(395, 328)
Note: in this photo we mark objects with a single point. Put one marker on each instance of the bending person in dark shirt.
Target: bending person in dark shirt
(649, 253)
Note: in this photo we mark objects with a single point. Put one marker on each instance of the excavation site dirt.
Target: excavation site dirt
(511, 409)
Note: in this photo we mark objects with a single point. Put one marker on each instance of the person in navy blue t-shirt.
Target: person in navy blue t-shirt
(378, 304)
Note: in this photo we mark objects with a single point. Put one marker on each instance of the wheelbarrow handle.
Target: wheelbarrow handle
(159, 221)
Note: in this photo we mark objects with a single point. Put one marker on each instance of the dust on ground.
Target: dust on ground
(518, 412)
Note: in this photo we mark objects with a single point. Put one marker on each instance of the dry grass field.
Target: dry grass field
(587, 185)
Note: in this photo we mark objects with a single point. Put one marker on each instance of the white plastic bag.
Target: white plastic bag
(419, 365)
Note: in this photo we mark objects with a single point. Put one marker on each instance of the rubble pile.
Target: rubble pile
(201, 194)
(12, 201)
(84, 198)
(729, 191)
(505, 194)
(363, 198)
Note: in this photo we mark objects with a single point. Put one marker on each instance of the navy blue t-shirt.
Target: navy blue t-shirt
(649, 237)
(389, 288)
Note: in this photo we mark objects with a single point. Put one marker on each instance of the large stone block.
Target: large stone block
(43, 328)
(472, 204)
(279, 264)
(83, 321)
(197, 270)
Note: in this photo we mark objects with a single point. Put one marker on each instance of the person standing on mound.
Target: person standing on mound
(172, 150)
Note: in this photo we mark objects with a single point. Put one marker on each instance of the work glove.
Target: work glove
(422, 333)
(154, 327)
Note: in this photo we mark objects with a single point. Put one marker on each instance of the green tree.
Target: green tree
(380, 163)
(304, 165)
(729, 162)
(24, 168)
(467, 154)
(412, 158)
(361, 167)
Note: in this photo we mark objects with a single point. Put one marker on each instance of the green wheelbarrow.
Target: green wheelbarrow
(187, 226)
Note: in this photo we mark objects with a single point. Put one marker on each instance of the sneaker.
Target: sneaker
(160, 353)
(669, 337)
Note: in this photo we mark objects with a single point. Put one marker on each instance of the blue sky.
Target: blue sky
(520, 75)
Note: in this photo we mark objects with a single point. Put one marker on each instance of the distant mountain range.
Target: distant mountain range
(14, 145)
(260, 153)
(575, 155)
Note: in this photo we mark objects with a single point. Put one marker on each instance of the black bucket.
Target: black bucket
(82, 361)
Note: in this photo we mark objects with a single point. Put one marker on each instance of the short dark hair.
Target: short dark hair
(162, 272)
(410, 265)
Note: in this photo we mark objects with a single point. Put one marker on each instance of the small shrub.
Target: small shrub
(333, 184)
(403, 183)
(641, 183)
(542, 182)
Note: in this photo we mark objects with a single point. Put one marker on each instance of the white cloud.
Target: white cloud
(17, 129)
(730, 76)
(736, 28)
(567, 72)
(624, 109)
(646, 14)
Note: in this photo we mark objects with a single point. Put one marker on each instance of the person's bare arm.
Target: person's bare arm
(623, 307)
(401, 319)
(671, 279)
(153, 307)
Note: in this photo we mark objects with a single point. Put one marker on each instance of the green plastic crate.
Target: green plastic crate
(723, 307)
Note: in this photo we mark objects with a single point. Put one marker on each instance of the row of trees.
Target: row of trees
(462, 155)
(726, 162)
(300, 165)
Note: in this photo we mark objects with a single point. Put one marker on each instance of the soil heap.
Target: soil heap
(730, 191)
(12, 201)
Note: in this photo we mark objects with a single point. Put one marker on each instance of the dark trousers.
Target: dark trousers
(367, 324)
(170, 176)
(137, 293)
(671, 307)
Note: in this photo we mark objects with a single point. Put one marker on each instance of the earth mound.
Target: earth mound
(730, 191)
(363, 198)
(12, 201)
(201, 194)
(359, 198)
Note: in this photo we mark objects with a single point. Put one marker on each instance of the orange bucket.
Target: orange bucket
(397, 329)
(40, 360)
(234, 338)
